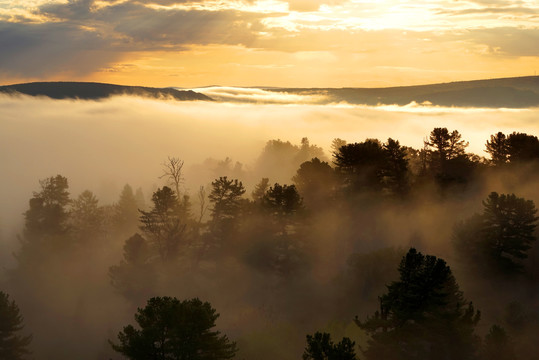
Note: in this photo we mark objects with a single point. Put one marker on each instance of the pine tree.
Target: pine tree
(12, 345)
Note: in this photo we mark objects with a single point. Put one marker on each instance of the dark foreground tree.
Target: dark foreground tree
(170, 329)
(423, 316)
(12, 345)
(320, 347)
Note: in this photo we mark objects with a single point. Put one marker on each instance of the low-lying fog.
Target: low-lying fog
(101, 145)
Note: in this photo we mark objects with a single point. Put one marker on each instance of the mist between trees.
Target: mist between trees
(389, 248)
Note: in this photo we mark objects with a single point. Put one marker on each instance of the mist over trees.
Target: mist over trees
(375, 244)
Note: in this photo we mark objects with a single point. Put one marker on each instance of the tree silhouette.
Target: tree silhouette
(395, 171)
(260, 189)
(226, 196)
(445, 145)
(173, 329)
(508, 227)
(173, 172)
(522, 147)
(48, 213)
(12, 345)
(498, 148)
(501, 236)
(283, 202)
(361, 165)
(497, 345)
(316, 181)
(46, 224)
(163, 225)
(134, 277)
(320, 347)
(423, 315)
(87, 219)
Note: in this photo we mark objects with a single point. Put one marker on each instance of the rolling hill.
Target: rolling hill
(518, 92)
(96, 91)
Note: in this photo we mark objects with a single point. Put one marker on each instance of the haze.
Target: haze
(104, 144)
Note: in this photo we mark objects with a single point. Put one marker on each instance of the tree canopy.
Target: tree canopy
(320, 347)
(501, 236)
(173, 329)
(422, 315)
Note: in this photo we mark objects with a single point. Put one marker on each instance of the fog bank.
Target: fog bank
(101, 145)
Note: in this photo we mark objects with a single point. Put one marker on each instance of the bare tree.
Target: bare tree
(172, 170)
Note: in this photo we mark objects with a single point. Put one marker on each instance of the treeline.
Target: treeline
(286, 259)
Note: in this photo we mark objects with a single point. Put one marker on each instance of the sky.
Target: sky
(289, 43)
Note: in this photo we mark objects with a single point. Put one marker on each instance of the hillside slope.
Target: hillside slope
(519, 92)
(95, 91)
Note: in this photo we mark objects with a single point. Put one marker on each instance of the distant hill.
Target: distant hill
(518, 92)
(96, 91)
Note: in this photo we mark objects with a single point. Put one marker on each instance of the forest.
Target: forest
(378, 251)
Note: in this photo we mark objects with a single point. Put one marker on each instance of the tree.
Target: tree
(260, 189)
(336, 144)
(508, 229)
(163, 224)
(283, 202)
(12, 345)
(170, 329)
(46, 224)
(320, 347)
(135, 275)
(498, 148)
(395, 171)
(316, 181)
(126, 214)
(447, 158)
(87, 218)
(497, 345)
(445, 146)
(281, 158)
(48, 213)
(361, 164)
(500, 237)
(172, 171)
(522, 147)
(226, 198)
(423, 315)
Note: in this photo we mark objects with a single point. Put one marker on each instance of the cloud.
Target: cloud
(82, 40)
(81, 37)
(259, 96)
(312, 5)
(506, 41)
(35, 50)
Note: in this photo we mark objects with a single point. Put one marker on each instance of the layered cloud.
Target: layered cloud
(77, 38)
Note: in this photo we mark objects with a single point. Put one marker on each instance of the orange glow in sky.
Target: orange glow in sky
(299, 43)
